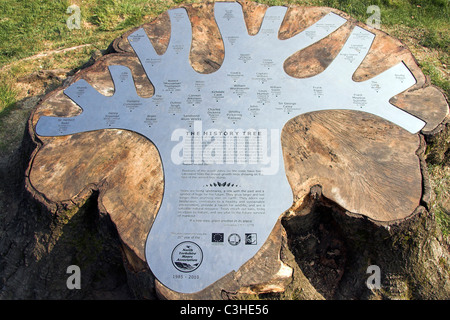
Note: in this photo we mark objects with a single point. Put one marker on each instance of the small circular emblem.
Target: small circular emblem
(234, 239)
(187, 256)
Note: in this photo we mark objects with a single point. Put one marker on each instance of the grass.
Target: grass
(29, 27)
(438, 78)
(26, 25)
(440, 202)
(7, 96)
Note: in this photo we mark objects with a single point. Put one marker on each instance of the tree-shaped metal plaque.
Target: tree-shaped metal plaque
(218, 134)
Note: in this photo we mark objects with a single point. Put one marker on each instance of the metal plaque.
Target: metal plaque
(218, 134)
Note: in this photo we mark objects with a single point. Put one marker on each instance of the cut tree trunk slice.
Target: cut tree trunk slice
(366, 165)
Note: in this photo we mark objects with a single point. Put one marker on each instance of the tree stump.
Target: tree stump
(358, 180)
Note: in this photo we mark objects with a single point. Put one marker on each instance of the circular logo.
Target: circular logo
(234, 239)
(187, 256)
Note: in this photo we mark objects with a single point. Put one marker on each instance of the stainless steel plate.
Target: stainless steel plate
(219, 134)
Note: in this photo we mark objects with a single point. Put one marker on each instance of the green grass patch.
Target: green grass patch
(443, 220)
(436, 40)
(437, 77)
(440, 183)
(112, 15)
(25, 25)
(29, 27)
(7, 96)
